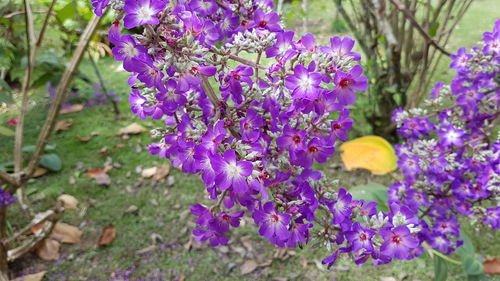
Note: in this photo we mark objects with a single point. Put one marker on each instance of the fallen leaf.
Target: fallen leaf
(132, 209)
(132, 129)
(66, 233)
(39, 171)
(370, 152)
(63, 125)
(71, 109)
(103, 179)
(31, 277)
(37, 227)
(84, 139)
(161, 172)
(491, 265)
(248, 267)
(104, 150)
(108, 234)
(148, 172)
(147, 249)
(100, 175)
(48, 249)
(69, 201)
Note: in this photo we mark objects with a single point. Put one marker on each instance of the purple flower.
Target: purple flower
(342, 125)
(250, 126)
(137, 102)
(304, 83)
(341, 208)
(204, 7)
(233, 80)
(493, 217)
(203, 163)
(273, 225)
(6, 198)
(451, 136)
(292, 139)
(347, 83)
(360, 237)
(283, 45)
(171, 98)
(268, 21)
(203, 214)
(460, 59)
(147, 72)
(190, 77)
(222, 222)
(229, 23)
(141, 12)
(341, 48)
(398, 242)
(299, 234)
(215, 238)
(99, 6)
(316, 149)
(230, 172)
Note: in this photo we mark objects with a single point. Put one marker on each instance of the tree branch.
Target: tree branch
(61, 91)
(417, 26)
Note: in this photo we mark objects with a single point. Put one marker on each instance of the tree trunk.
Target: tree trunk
(4, 267)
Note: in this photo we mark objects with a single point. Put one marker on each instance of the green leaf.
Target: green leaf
(50, 147)
(6, 131)
(66, 12)
(51, 162)
(29, 148)
(440, 269)
(433, 29)
(371, 192)
(471, 265)
(467, 247)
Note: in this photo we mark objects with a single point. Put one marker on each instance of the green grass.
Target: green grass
(101, 206)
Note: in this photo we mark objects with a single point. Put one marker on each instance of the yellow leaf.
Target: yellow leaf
(370, 152)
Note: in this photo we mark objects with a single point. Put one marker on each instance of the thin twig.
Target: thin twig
(417, 26)
(116, 110)
(18, 138)
(61, 91)
(45, 24)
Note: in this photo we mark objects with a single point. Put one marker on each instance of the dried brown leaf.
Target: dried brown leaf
(108, 234)
(37, 227)
(149, 172)
(491, 265)
(63, 125)
(48, 249)
(248, 267)
(132, 129)
(100, 175)
(40, 172)
(66, 233)
(31, 277)
(69, 201)
(84, 139)
(104, 150)
(147, 249)
(71, 109)
(161, 172)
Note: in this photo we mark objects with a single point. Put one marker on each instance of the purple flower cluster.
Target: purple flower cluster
(74, 97)
(248, 106)
(6, 198)
(451, 155)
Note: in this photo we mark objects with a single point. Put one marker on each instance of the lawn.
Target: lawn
(152, 218)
